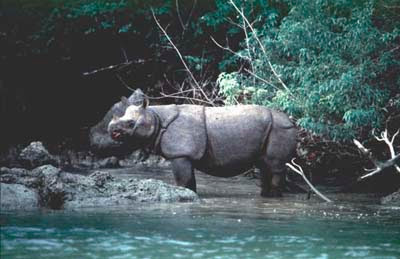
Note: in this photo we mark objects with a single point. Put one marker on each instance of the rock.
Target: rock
(36, 155)
(86, 160)
(145, 159)
(17, 197)
(109, 162)
(392, 199)
(55, 189)
(19, 176)
(51, 189)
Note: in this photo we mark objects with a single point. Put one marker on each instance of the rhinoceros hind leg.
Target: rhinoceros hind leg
(266, 179)
(184, 173)
(272, 178)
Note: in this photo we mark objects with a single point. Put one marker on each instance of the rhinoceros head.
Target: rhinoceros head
(100, 140)
(137, 126)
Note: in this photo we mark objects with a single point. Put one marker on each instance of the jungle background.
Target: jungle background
(333, 66)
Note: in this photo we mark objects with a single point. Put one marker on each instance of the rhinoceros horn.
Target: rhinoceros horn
(145, 103)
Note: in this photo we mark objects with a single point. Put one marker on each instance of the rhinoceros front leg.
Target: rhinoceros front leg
(184, 173)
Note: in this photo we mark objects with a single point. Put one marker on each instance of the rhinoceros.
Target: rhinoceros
(220, 141)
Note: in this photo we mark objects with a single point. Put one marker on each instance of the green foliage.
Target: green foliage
(334, 61)
(339, 60)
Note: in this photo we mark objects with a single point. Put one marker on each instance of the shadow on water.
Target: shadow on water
(231, 221)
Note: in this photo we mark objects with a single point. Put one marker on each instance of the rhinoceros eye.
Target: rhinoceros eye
(131, 123)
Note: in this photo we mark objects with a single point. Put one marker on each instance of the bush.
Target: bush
(335, 62)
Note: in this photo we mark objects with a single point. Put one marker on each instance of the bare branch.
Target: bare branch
(380, 166)
(297, 168)
(123, 82)
(191, 13)
(261, 79)
(182, 59)
(177, 95)
(367, 153)
(107, 68)
(124, 54)
(261, 46)
(230, 50)
(179, 16)
(385, 138)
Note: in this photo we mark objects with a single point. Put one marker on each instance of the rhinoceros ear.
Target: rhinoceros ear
(125, 101)
(145, 103)
(136, 97)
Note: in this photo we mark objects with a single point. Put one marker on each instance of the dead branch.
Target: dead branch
(297, 168)
(204, 95)
(260, 78)
(119, 65)
(179, 16)
(124, 83)
(379, 165)
(179, 96)
(384, 137)
(382, 166)
(184, 24)
(229, 50)
(261, 46)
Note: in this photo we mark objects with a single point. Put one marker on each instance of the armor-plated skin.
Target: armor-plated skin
(220, 141)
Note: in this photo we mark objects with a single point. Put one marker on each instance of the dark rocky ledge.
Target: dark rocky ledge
(49, 187)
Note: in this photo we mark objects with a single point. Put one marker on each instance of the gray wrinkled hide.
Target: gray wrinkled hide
(224, 141)
(185, 135)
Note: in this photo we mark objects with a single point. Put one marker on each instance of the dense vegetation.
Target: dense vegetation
(334, 66)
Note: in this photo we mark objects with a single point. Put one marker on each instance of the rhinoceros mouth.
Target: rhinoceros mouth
(116, 135)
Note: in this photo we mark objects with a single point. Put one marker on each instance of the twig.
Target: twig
(179, 16)
(297, 168)
(261, 79)
(380, 166)
(230, 50)
(185, 97)
(181, 58)
(123, 82)
(107, 68)
(262, 47)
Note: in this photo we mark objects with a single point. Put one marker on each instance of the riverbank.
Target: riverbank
(80, 181)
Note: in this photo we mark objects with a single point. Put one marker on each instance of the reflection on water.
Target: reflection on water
(240, 227)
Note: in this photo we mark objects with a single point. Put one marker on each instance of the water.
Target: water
(218, 227)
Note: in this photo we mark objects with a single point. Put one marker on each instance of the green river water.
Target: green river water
(217, 227)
